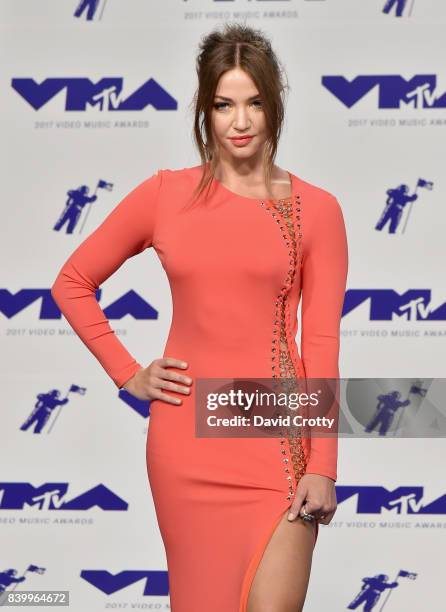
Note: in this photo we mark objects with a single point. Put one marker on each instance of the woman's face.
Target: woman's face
(237, 111)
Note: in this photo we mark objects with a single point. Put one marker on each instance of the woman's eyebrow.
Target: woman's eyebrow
(230, 99)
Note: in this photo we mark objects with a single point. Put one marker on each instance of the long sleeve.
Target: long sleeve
(126, 231)
(325, 267)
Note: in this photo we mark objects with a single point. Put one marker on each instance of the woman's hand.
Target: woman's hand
(148, 382)
(315, 494)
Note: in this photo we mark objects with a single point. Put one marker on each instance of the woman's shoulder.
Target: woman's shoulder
(315, 198)
(181, 174)
(179, 179)
(314, 190)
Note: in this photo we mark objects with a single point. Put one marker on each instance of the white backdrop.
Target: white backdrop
(75, 501)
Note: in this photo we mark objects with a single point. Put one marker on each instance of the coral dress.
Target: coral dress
(237, 267)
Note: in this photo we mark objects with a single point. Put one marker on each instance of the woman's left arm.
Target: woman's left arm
(324, 278)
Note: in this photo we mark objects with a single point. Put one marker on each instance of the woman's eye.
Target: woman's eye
(218, 105)
(221, 105)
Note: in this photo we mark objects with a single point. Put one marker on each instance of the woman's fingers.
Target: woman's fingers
(148, 382)
(297, 503)
(165, 384)
(316, 510)
(166, 362)
(169, 379)
(175, 376)
(315, 496)
(327, 517)
(165, 398)
(163, 378)
(321, 512)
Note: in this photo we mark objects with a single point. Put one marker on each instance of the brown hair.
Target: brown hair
(237, 45)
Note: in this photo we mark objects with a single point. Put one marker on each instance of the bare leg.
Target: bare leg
(281, 580)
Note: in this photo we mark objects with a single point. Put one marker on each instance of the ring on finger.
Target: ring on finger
(307, 517)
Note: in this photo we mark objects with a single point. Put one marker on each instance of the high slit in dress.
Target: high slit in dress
(237, 268)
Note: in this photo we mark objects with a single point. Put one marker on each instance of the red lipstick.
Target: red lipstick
(241, 141)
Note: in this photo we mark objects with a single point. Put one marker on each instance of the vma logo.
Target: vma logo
(82, 94)
(399, 6)
(388, 305)
(394, 91)
(155, 582)
(53, 496)
(403, 500)
(11, 304)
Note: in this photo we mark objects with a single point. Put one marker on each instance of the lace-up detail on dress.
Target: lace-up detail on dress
(286, 213)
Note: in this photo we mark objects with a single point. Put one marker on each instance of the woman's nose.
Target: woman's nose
(241, 120)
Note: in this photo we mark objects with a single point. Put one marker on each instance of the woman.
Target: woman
(240, 238)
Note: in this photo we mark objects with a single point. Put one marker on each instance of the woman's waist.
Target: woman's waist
(256, 360)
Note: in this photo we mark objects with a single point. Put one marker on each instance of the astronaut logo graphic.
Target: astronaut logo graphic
(45, 406)
(90, 7)
(396, 201)
(399, 6)
(9, 577)
(373, 587)
(388, 404)
(75, 204)
(393, 407)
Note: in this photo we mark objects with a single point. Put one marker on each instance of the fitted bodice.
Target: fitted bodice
(237, 268)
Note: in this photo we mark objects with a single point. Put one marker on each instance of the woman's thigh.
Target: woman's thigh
(281, 580)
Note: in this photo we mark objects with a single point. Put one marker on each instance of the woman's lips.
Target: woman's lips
(242, 141)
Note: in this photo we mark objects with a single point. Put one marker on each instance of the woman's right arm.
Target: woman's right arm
(126, 231)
